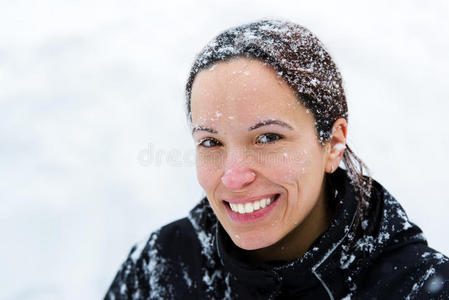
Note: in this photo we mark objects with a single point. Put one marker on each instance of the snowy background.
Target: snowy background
(88, 87)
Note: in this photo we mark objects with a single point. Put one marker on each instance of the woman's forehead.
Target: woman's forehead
(238, 76)
(241, 89)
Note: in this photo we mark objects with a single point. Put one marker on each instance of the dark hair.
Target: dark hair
(302, 61)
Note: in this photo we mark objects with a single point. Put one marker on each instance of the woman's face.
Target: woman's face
(257, 154)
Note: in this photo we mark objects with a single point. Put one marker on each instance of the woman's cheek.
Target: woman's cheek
(289, 166)
(208, 168)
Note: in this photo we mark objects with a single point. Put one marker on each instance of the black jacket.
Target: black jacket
(194, 258)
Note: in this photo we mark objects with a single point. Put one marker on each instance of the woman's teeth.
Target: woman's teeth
(250, 206)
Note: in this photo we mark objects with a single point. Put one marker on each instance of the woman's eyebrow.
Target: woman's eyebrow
(270, 122)
(255, 126)
(203, 128)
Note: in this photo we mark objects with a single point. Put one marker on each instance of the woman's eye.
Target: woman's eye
(268, 138)
(209, 143)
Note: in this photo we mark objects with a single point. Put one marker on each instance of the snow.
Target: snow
(439, 257)
(346, 260)
(366, 244)
(79, 100)
(406, 223)
(210, 278)
(186, 276)
(156, 267)
(364, 224)
(339, 147)
(139, 248)
(435, 284)
(228, 292)
(123, 289)
(206, 239)
(418, 285)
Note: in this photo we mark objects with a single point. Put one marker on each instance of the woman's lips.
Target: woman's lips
(251, 209)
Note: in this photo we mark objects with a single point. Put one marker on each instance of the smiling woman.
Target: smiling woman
(262, 156)
(281, 219)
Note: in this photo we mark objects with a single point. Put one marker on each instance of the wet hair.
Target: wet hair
(303, 62)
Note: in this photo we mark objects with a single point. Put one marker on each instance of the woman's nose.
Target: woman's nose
(237, 178)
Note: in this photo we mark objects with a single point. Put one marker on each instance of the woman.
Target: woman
(280, 219)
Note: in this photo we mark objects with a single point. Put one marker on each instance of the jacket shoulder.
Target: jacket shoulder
(164, 266)
(412, 271)
(392, 258)
(430, 275)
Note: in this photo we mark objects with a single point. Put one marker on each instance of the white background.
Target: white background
(85, 86)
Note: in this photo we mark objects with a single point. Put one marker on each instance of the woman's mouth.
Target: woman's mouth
(249, 207)
(250, 210)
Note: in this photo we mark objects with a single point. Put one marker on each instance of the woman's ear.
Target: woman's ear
(337, 145)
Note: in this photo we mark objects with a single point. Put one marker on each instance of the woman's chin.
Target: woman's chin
(252, 241)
